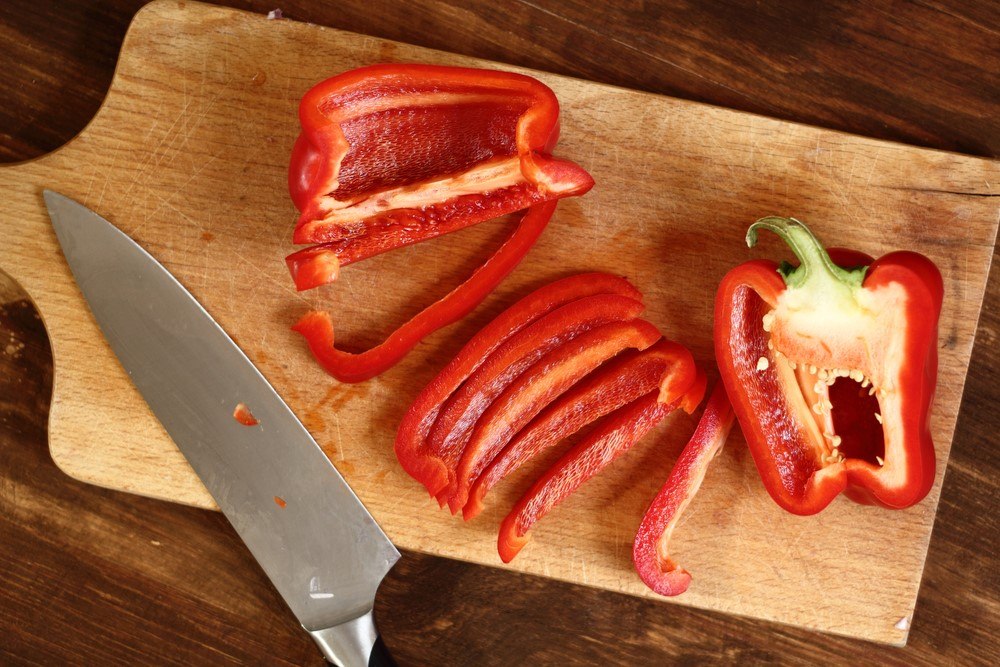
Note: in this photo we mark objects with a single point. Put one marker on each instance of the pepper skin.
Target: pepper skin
(317, 327)
(612, 437)
(538, 386)
(462, 410)
(649, 550)
(831, 370)
(430, 467)
(390, 155)
(666, 366)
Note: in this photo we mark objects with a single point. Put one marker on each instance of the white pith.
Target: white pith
(854, 321)
(485, 177)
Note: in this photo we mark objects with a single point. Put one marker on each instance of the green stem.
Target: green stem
(815, 265)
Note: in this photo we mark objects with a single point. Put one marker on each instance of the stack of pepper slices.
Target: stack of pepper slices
(392, 155)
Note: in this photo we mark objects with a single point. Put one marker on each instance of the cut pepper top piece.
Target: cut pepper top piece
(388, 149)
(831, 370)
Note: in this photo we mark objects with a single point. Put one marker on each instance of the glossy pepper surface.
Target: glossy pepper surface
(666, 366)
(538, 386)
(462, 411)
(612, 437)
(650, 550)
(831, 369)
(317, 326)
(428, 462)
(390, 155)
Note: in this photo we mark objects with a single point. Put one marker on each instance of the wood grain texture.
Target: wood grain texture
(196, 176)
(668, 640)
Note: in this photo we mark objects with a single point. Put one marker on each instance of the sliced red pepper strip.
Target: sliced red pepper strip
(831, 371)
(394, 154)
(321, 264)
(538, 386)
(417, 459)
(462, 410)
(612, 437)
(317, 326)
(650, 549)
(312, 267)
(666, 365)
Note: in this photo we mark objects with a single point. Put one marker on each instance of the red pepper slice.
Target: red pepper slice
(650, 549)
(395, 154)
(425, 465)
(312, 267)
(831, 371)
(242, 414)
(321, 264)
(538, 386)
(614, 436)
(317, 327)
(666, 365)
(462, 410)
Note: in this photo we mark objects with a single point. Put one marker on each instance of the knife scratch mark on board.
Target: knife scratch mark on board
(114, 164)
(871, 172)
(287, 289)
(165, 144)
(182, 188)
(340, 437)
(154, 151)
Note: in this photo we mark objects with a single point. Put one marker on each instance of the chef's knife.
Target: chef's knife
(314, 539)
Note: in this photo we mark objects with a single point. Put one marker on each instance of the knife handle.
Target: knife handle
(355, 643)
(380, 655)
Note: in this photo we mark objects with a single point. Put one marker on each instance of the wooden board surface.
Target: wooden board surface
(188, 155)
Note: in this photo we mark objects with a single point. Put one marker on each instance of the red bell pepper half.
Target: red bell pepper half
(435, 469)
(649, 550)
(391, 155)
(317, 327)
(831, 370)
(666, 366)
(611, 438)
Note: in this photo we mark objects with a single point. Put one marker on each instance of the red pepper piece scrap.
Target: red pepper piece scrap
(666, 365)
(429, 467)
(538, 386)
(831, 371)
(650, 549)
(243, 415)
(391, 155)
(317, 327)
(462, 410)
(612, 437)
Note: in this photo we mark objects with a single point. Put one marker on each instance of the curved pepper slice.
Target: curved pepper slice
(317, 327)
(391, 155)
(427, 466)
(614, 436)
(666, 365)
(462, 410)
(649, 551)
(831, 371)
(538, 386)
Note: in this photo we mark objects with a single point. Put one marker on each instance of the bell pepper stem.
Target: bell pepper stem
(815, 266)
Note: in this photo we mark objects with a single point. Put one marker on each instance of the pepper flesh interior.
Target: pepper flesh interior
(836, 375)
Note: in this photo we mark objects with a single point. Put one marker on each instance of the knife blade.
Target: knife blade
(309, 532)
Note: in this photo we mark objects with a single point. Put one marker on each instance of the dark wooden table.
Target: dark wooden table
(91, 576)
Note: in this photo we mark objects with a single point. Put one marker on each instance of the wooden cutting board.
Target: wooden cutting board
(188, 155)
